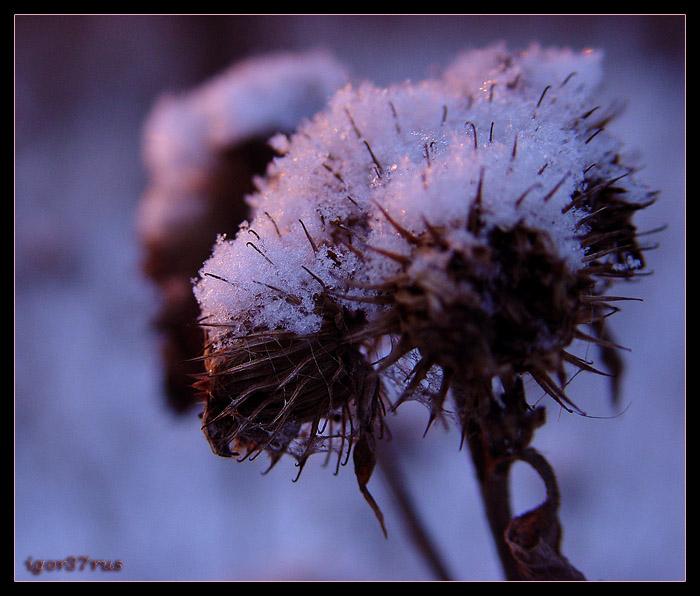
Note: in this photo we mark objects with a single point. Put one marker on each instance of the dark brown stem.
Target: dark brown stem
(417, 532)
(493, 480)
(498, 431)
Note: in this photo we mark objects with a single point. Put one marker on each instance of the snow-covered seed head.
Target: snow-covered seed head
(505, 305)
(202, 150)
(280, 392)
(465, 228)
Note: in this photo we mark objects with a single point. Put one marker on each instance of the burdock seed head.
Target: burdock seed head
(281, 392)
(472, 222)
(503, 306)
(202, 149)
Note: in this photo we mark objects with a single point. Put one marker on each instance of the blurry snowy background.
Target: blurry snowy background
(103, 469)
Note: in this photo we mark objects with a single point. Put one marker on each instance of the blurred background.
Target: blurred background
(104, 469)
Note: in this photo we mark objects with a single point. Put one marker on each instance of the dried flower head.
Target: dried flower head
(471, 222)
(202, 150)
(264, 385)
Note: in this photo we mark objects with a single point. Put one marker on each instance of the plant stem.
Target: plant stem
(493, 480)
(498, 431)
(395, 479)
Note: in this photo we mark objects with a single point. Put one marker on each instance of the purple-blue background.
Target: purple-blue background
(104, 470)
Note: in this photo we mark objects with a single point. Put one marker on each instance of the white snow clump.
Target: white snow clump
(512, 130)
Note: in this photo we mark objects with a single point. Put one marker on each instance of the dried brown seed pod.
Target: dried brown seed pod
(505, 306)
(278, 391)
(203, 148)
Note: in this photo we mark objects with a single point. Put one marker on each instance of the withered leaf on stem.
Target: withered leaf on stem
(364, 458)
(534, 538)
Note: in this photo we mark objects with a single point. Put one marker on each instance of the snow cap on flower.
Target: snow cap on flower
(187, 134)
(202, 149)
(508, 130)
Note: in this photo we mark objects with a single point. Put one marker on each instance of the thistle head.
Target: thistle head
(270, 390)
(465, 228)
(503, 304)
(202, 150)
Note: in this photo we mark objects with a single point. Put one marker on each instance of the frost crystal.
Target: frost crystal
(521, 134)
